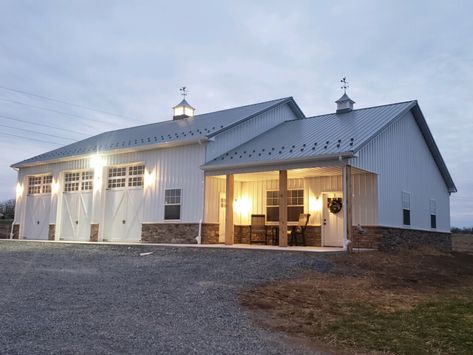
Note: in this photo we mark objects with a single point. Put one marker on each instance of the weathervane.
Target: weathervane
(183, 91)
(345, 85)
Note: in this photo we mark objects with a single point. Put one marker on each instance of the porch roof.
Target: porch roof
(325, 137)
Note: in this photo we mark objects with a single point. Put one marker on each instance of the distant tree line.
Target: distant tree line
(7, 209)
(464, 230)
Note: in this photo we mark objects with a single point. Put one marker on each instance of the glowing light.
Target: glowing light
(96, 162)
(149, 178)
(315, 204)
(19, 190)
(242, 205)
(55, 187)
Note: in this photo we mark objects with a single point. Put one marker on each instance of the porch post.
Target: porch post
(229, 230)
(283, 208)
(347, 197)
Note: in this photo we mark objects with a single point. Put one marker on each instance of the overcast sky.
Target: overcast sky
(130, 58)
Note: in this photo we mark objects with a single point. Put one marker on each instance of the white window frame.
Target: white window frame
(173, 204)
(42, 185)
(433, 212)
(288, 205)
(406, 198)
(130, 177)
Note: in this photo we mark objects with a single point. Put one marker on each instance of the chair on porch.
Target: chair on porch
(258, 229)
(298, 232)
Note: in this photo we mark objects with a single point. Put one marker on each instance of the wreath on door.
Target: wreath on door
(334, 204)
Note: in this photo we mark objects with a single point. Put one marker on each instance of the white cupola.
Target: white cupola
(183, 109)
(344, 104)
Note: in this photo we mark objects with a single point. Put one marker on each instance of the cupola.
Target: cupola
(344, 104)
(183, 109)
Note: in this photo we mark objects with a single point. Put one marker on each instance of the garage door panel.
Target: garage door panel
(37, 223)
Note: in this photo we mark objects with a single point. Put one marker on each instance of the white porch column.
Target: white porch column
(283, 208)
(347, 210)
(229, 230)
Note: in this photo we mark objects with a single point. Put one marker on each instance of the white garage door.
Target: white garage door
(38, 205)
(124, 203)
(76, 210)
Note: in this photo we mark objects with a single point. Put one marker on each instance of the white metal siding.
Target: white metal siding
(403, 162)
(177, 167)
(247, 130)
(364, 196)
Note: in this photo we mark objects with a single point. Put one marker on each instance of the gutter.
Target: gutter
(338, 156)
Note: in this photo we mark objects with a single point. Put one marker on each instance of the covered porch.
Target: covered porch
(335, 197)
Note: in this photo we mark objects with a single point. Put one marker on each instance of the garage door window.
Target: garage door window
(172, 204)
(39, 184)
(131, 176)
(79, 181)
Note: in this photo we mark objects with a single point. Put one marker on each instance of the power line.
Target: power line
(51, 110)
(37, 132)
(28, 138)
(68, 103)
(41, 124)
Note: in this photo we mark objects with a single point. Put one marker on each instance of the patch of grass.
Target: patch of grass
(444, 326)
(6, 221)
(404, 303)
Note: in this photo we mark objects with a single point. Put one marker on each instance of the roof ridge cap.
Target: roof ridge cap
(366, 108)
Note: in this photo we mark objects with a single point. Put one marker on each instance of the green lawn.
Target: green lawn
(443, 326)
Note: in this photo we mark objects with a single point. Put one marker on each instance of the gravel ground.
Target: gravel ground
(83, 299)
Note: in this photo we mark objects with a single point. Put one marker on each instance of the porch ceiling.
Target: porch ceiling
(296, 173)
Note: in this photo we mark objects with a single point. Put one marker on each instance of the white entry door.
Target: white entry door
(123, 215)
(221, 217)
(37, 217)
(332, 223)
(76, 216)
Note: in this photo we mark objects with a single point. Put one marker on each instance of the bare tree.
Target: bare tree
(7, 208)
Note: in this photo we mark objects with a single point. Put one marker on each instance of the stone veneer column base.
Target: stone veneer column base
(210, 233)
(173, 233)
(51, 232)
(94, 232)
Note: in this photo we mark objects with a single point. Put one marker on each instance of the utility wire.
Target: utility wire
(51, 110)
(37, 132)
(32, 139)
(41, 124)
(68, 103)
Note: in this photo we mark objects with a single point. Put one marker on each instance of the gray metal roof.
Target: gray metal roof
(316, 136)
(330, 136)
(168, 132)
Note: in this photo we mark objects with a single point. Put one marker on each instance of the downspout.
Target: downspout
(12, 226)
(199, 235)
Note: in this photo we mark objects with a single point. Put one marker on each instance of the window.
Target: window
(433, 214)
(79, 181)
(295, 205)
(406, 208)
(131, 176)
(172, 204)
(39, 184)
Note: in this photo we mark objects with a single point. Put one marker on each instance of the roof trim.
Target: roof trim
(328, 157)
(140, 148)
(434, 150)
(288, 100)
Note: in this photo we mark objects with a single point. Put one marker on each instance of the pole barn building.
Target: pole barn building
(373, 177)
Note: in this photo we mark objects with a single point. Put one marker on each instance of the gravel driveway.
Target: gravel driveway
(83, 299)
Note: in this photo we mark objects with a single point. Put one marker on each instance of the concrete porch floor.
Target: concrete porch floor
(215, 246)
